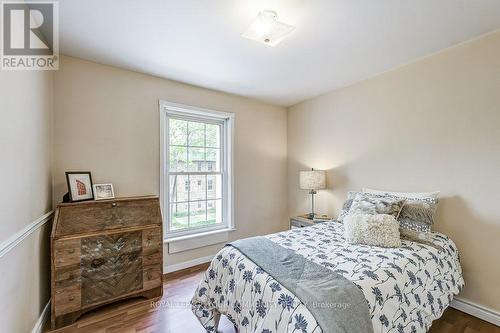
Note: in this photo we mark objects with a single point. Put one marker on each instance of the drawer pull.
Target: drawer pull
(113, 204)
(97, 262)
(71, 251)
(71, 298)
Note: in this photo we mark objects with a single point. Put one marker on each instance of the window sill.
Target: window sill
(193, 241)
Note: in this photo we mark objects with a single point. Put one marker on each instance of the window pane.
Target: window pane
(213, 135)
(196, 136)
(177, 132)
(178, 216)
(214, 187)
(197, 214)
(177, 159)
(213, 159)
(179, 188)
(214, 211)
(197, 188)
(194, 196)
(196, 160)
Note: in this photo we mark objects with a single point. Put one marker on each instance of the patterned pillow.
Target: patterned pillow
(372, 204)
(347, 205)
(417, 215)
(407, 195)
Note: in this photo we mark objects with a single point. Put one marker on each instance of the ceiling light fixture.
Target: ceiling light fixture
(267, 29)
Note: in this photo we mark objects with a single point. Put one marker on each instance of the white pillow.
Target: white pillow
(375, 230)
(407, 195)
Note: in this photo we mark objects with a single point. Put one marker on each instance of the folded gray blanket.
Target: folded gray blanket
(336, 303)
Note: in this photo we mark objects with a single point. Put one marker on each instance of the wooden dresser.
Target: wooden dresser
(103, 251)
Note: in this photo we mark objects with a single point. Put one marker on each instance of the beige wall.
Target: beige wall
(107, 121)
(431, 125)
(25, 148)
(25, 175)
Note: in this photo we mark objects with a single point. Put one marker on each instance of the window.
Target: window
(197, 153)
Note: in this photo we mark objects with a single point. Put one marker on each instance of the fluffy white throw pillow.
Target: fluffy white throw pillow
(375, 230)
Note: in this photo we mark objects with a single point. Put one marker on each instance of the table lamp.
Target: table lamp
(312, 180)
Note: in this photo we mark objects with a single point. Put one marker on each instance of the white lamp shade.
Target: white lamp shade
(312, 180)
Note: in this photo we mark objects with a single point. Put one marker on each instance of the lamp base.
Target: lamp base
(310, 216)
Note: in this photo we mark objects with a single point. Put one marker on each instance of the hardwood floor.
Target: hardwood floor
(174, 315)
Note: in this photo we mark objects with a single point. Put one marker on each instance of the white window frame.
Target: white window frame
(168, 109)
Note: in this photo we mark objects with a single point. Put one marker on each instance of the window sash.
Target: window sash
(223, 140)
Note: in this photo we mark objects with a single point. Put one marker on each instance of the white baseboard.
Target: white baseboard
(476, 310)
(44, 316)
(19, 236)
(186, 264)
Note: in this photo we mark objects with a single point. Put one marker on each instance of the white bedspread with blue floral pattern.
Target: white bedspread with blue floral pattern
(406, 288)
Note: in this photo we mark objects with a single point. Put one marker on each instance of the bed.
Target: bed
(405, 288)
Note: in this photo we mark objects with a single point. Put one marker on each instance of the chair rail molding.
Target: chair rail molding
(19, 236)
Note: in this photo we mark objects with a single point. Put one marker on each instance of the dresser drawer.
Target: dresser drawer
(67, 252)
(152, 277)
(99, 288)
(152, 246)
(67, 299)
(111, 245)
(67, 276)
(300, 223)
(151, 239)
(153, 258)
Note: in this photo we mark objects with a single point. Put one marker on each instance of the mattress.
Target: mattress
(406, 288)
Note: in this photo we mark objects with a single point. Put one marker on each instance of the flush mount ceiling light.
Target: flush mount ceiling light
(267, 29)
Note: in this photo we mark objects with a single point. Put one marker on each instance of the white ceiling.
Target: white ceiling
(336, 43)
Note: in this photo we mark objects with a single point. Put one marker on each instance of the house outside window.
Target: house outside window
(196, 152)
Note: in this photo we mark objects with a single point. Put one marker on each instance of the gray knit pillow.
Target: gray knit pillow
(367, 203)
(347, 205)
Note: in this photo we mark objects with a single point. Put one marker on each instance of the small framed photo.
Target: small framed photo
(104, 191)
(79, 185)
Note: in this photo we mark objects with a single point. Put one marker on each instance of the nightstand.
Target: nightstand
(302, 221)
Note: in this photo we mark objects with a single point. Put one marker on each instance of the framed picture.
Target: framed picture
(103, 191)
(79, 185)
